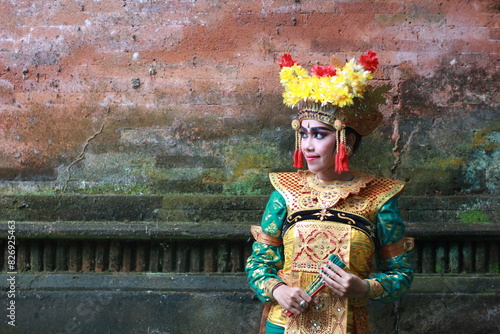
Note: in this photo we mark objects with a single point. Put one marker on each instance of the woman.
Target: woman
(321, 228)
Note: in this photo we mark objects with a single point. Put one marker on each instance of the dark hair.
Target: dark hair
(348, 131)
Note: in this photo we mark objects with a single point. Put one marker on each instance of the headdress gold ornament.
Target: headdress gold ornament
(340, 97)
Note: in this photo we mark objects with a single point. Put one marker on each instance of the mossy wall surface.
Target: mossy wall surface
(157, 97)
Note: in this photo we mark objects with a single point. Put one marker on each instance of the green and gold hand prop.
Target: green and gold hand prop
(318, 283)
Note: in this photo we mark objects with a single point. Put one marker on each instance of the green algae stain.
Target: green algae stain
(450, 163)
(473, 216)
(494, 268)
(248, 166)
(252, 183)
(439, 268)
(487, 139)
(482, 159)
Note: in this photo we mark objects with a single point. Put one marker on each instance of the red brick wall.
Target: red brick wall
(207, 113)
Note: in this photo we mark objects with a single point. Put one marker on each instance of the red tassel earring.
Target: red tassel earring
(341, 156)
(298, 161)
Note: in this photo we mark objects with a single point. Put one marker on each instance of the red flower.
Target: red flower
(369, 61)
(323, 71)
(287, 61)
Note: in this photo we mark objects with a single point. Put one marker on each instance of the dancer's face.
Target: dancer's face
(318, 147)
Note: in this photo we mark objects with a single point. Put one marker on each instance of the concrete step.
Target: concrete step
(201, 208)
(220, 303)
(209, 230)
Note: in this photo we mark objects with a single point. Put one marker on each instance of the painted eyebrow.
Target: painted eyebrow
(316, 129)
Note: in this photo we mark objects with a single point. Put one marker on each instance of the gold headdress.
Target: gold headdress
(340, 97)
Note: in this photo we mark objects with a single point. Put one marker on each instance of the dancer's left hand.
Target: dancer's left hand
(342, 282)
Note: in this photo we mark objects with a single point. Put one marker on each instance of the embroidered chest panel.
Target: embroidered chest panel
(315, 241)
(364, 195)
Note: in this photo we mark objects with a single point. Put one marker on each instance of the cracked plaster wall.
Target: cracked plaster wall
(183, 96)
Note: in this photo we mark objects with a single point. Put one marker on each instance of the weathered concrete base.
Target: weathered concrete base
(164, 303)
(134, 312)
(447, 313)
(171, 313)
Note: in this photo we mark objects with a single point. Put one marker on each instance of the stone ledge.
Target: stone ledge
(137, 230)
(147, 230)
(80, 207)
(422, 230)
(422, 284)
(129, 282)
(203, 208)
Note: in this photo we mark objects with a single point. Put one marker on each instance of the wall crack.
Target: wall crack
(395, 150)
(81, 156)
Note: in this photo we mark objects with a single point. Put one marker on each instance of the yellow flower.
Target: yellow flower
(289, 74)
(300, 72)
(296, 91)
(342, 97)
(314, 85)
(289, 99)
(286, 75)
(349, 82)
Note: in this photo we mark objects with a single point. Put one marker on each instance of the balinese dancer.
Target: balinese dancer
(314, 252)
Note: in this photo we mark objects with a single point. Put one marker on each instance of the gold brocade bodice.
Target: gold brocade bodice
(363, 195)
(324, 219)
(308, 244)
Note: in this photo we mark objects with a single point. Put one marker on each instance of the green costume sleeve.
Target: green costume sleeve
(265, 261)
(397, 272)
